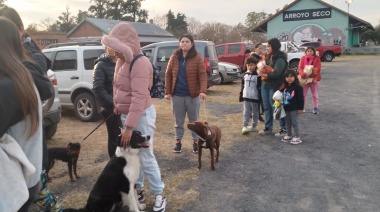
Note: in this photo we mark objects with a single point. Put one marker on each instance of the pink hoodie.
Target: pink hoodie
(130, 88)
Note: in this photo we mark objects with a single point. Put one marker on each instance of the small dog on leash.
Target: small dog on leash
(70, 155)
(209, 138)
(117, 181)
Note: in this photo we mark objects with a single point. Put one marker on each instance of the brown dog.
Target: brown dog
(208, 137)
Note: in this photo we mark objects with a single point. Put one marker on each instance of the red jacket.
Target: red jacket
(316, 70)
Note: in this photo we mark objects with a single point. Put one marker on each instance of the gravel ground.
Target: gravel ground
(334, 169)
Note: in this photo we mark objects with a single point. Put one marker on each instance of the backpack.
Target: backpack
(157, 90)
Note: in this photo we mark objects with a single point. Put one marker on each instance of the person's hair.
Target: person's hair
(257, 45)
(253, 59)
(310, 47)
(289, 72)
(11, 14)
(11, 56)
(192, 52)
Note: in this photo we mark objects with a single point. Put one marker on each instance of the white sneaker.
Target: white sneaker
(251, 129)
(296, 140)
(244, 130)
(159, 204)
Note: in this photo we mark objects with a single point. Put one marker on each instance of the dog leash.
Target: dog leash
(204, 108)
(112, 114)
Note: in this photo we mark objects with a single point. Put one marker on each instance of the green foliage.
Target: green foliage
(176, 25)
(373, 36)
(66, 21)
(129, 10)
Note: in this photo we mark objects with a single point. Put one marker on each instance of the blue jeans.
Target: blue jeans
(149, 165)
(267, 92)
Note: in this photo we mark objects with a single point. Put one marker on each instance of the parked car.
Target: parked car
(53, 116)
(229, 72)
(235, 53)
(327, 53)
(73, 64)
(159, 54)
(294, 53)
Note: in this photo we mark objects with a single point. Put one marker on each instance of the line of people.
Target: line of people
(261, 81)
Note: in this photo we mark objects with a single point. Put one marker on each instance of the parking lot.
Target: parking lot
(336, 168)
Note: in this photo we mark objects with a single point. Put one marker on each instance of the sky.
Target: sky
(224, 11)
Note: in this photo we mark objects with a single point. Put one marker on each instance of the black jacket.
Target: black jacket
(44, 86)
(37, 56)
(102, 82)
(279, 63)
(293, 97)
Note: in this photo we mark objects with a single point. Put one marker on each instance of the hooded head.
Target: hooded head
(124, 40)
(275, 44)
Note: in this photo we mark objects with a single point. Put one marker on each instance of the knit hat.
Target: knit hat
(123, 39)
(275, 44)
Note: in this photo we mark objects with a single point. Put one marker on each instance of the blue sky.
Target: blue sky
(225, 11)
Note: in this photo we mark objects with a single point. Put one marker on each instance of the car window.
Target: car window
(148, 54)
(249, 47)
(220, 50)
(234, 48)
(49, 55)
(89, 56)
(211, 52)
(65, 60)
(164, 53)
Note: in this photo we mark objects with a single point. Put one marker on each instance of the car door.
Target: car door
(162, 59)
(235, 54)
(65, 66)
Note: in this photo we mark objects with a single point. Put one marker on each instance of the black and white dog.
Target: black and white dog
(117, 181)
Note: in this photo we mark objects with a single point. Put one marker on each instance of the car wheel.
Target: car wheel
(294, 65)
(85, 107)
(221, 79)
(50, 131)
(328, 57)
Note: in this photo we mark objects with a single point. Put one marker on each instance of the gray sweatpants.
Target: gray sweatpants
(250, 108)
(291, 120)
(182, 105)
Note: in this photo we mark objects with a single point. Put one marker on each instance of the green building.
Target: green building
(314, 20)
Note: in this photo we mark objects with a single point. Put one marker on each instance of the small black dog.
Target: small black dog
(117, 181)
(70, 155)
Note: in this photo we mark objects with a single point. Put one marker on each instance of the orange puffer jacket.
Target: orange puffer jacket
(195, 74)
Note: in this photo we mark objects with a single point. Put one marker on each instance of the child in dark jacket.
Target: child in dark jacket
(293, 101)
(249, 94)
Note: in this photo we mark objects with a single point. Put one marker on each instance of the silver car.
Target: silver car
(228, 72)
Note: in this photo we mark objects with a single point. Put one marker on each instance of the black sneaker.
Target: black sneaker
(178, 147)
(281, 133)
(195, 147)
(261, 119)
(266, 131)
(141, 198)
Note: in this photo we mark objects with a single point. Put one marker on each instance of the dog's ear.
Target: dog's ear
(68, 145)
(206, 123)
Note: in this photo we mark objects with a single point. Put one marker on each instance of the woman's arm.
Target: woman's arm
(202, 75)
(317, 67)
(99, 86)
(301, 66)
(169, 76)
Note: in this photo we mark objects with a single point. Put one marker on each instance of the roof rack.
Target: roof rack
(82, 43)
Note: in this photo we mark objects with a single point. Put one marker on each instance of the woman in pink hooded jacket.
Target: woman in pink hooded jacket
(132, 100)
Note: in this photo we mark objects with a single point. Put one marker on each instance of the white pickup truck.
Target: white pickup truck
(293, 52)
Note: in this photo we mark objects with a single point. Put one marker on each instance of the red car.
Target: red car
(327, 53)
(235, 53)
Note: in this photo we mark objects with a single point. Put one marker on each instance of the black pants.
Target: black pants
(113, 131)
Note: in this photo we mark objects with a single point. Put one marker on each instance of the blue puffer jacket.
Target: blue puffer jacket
(102, 81)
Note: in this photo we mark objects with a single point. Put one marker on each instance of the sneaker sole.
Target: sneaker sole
(295, 143)
(177, 151)
(285, 141)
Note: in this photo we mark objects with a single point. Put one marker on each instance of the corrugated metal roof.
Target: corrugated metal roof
(106, 25)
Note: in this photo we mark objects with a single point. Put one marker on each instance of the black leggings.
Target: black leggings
(113, 131)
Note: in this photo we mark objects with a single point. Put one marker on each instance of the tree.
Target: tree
(46, 24)
(161, 21)
(65, 21)
(194, 27)
(254, 19)
(32, 28)
(176, 25)
(215, 32)
(373, 36)
(129, 10)
(98, 10)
